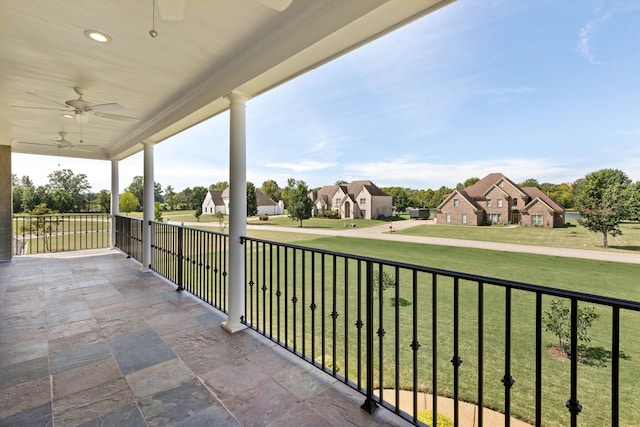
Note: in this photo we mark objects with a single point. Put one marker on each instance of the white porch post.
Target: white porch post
(115, 200)
(237, 210)
(147, 211)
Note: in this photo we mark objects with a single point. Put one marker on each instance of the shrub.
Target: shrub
(426, 416)
(558, 320)
(264, 217)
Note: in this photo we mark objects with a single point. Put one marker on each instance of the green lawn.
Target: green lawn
(573, 236)
(604, 278)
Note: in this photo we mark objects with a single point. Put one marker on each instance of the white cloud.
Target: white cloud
(510, 90)
(587, 34)
(302, 166)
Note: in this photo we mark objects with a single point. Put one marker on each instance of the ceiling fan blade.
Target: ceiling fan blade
(101, 108)
(116, 117)
(47, 99)
(39, 108)
(32, 143)
(171, 10)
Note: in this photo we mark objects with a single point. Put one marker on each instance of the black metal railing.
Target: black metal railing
(387, 328)
(196, 260)
(36, 234)
(129, 236)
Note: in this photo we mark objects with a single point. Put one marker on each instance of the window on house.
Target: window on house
(499, 219)
(499, 203)
(515, 202)
(536, 219)
(464, 218)
(448, 218)
(363, 202)
(488, 203)
(338, 203)
(455, 202)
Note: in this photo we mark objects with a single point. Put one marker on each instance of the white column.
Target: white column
(237, 211)
(147, 211)
(115, 200)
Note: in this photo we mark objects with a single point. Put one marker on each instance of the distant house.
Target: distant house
(218, 201)
(496, 199)
(359, 199)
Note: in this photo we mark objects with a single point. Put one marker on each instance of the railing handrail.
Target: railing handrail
(556, 292)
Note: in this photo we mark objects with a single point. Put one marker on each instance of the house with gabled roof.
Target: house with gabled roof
(218, 201)
(495, 199)
(358, 199)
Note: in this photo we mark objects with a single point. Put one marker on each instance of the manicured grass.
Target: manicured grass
(573, 236)
(604, 278)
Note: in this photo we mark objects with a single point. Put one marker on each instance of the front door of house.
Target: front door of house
(515, 217)
(347, 210)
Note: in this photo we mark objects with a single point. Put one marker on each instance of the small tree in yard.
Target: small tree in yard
(157, 212)
(128, 202)
(558, 320)
(198, 213)
(219, 217)
(43, 223)
(300, 205)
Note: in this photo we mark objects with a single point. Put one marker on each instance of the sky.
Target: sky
(544, 89)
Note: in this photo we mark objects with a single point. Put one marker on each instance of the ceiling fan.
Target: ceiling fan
(62, 143)
(80, 108)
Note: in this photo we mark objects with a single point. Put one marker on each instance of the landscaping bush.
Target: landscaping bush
(426, 416)
(264, 217)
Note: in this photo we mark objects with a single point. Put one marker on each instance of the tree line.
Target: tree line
(604, 198)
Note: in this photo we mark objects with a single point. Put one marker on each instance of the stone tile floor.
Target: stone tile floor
(86, 339)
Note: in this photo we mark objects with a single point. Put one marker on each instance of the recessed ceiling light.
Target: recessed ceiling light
(98, 36)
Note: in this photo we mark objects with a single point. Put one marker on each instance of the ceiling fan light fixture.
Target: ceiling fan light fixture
(98, 36)
(68, 115)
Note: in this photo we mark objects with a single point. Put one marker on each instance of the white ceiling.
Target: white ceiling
(171, 82)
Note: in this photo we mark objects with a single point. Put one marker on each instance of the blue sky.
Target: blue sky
(544, 89)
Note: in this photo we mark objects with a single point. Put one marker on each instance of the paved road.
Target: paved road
(382, 232)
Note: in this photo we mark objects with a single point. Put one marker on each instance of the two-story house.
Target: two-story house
(359, 199)
(495, 199)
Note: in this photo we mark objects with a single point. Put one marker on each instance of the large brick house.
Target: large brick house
(498, 200)
(359, 199)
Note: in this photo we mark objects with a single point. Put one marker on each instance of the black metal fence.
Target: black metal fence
(196, 260)
(388, 328)
(59, 233)
(129, 236)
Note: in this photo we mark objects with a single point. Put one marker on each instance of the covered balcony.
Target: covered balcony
(261, 333)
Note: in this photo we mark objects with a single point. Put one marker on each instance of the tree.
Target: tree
(157, 212)
(271, 190)
(170, 197)
(288, 192)
(104, 200)
(252, 201)
(467, 183)
(68, 191)
(633, 198)
(600, 199)
(43, 223)
(300, 205)
(198, 213)
(128, 202)
(219, 217)
(530, 183)
(157, 193)
(399, 198)
(137, 189)
(219, 186)
(198, 194)
(558, 320)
